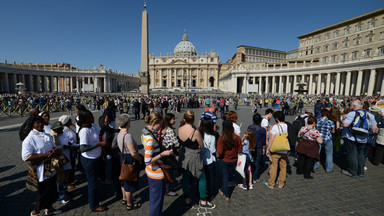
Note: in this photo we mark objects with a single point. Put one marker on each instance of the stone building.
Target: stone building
(62, 77)
(346, 58)
(184, 69)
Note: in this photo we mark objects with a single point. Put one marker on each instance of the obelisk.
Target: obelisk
(144, 53)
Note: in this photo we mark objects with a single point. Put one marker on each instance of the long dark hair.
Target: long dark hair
(206, 126)
(228, 135)
(167, 120)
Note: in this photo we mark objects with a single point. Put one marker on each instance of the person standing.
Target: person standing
(228, 147)
(152, 159)
(326, 127)
(355, 143)
(279, 159)
(90, 148)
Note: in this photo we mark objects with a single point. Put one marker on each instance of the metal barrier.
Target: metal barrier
(22, 108)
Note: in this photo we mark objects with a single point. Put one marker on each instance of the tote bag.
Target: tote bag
(280, 142)
(241, 159)
(128, 171)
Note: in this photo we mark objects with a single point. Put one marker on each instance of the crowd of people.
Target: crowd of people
(349, 130)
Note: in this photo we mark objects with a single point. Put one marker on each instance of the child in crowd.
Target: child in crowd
(249, 144)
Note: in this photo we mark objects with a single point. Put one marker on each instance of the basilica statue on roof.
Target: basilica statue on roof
(184, 69)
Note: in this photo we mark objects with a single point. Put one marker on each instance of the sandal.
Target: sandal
(124, 202)
(133, 206)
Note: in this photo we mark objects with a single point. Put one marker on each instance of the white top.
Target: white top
(209, 149)
(265, 122)
(236, 128)
(37, 143)
(64, 141)
(47, 128)
(71, 136)
(90, 137)
(77, 126)
(277, 130)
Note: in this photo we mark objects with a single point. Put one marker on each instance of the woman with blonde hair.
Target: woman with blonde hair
(192, 164)
(152, 159)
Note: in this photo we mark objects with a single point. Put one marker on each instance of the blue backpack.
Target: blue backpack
(360, 124)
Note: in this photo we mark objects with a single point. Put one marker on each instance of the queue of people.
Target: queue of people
(196, 153)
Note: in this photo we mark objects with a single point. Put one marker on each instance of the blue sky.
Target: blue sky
(87, 33)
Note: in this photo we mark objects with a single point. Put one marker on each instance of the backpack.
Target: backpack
(292, 136)
(360, 124)
(221, 106)
(299, 123)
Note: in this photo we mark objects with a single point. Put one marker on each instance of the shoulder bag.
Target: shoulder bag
(280, 142)
(128, 171)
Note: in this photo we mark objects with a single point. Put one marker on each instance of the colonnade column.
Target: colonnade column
(328, 86)
(51, 89)
(30, 83)
(348, 83)
(78, 84)
(382, 86)
(281, 84)
(58, 84)
(371, 83)
(318, 84)
(38, 83)
(342, 83)
(260, 83)
(287, 85)
(294, 83)
(6, 82)
(310, 85)
(23, 80)
(267, 86)
(70, 83)
(358, 84)
(273, 84)
(337, 84)
(83, 84)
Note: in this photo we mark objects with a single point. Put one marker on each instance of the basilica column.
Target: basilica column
(337, 84)
(273, 84)
(310, 84)
(260, 83)
(359, 81)
(328, 86)
(267, 86)
(371, 84)
(342, 83)
(234, 83)
(281, 84)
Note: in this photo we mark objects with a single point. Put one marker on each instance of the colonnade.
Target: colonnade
(354, 82)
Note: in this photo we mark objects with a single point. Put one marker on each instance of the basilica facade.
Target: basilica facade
(184, 69)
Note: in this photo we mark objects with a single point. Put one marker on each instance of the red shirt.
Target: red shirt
(229, 155)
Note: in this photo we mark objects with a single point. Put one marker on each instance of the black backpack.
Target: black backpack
(299, 123)
(292, 136)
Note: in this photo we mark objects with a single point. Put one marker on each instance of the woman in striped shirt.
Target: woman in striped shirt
(152, 159)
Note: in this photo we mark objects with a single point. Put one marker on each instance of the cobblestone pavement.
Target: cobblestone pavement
(326, 194)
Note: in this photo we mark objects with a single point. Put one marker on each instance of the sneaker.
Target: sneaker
(251, 187)
(242, 186)
(207, 205)
(52, 212)
(267, 184)
(172, 194)
(347, 173)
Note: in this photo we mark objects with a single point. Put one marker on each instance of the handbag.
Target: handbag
(128, 171)
(280, 142)
(167, 172)
(32, 183)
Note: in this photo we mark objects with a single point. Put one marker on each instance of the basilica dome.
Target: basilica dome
(185, 47)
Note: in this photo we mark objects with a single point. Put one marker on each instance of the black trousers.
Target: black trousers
(47, 194)
(305, 165)
(379, 154)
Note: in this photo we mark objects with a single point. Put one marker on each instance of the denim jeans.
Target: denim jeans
(257, 156)
(226, 167)
(355, 156)
(328, 148)
(91, 168)
(62, 190)
(156, 196)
